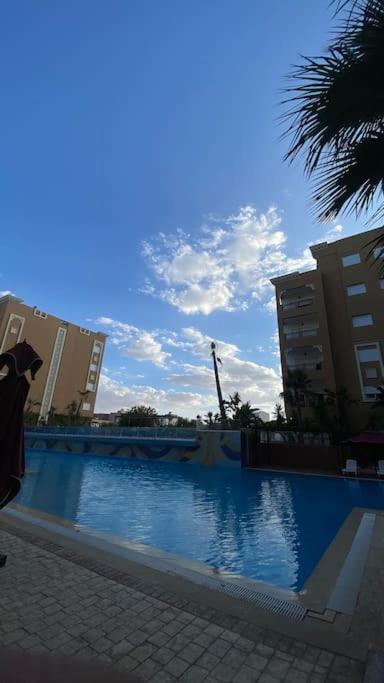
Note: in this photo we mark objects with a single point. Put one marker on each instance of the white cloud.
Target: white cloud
(256, 383)
(190, 375)
(332, 234)
(114, 395)
(134, 342)
(226, 267)
(270, 305)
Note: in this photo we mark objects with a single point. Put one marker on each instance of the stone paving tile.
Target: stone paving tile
(52, 600)
(195, 674)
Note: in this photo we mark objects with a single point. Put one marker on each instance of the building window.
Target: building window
(378, 252)
(86, 406)
(359, 288)
(14, 330)
(351, 260)
(93, 367)
(40, 314)
(371, 373)
(362, 320)
(90, 386)
(83, 330)
(368, 353)
(370, 392)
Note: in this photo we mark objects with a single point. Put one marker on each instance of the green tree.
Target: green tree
(241, 413)
(342, 399)
(31, 417)
(72, 412)
(278, 415)
(51, 415)
(185, 422)
(209, 418)
(139, 416)
(335, 113)
(296, 389)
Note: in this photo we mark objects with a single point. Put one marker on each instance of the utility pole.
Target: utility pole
(218, 387)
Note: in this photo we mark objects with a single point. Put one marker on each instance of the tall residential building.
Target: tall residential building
(72, 356)
(331, 323)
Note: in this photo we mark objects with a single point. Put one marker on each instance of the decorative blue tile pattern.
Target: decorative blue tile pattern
(208, 448)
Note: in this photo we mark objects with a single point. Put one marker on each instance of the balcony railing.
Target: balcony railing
(308, 365)
(301, 333)
(298, 303)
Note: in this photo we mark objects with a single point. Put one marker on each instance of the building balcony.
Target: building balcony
(302, 333)
(297, 297)
(309, 366)
(301, 327)
(305, 358)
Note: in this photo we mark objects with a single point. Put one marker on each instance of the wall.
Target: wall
(306, 458)
(208, 448)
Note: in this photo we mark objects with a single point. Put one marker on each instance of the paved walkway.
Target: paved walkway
(53, 602)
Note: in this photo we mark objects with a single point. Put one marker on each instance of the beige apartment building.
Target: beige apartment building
(72, 356)
(331, 323)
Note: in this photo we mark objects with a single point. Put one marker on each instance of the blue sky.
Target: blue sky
(142, 187)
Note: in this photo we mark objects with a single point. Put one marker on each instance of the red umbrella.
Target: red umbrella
(14, 390)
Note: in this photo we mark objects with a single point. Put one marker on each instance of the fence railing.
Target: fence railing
(292, 438)
(150, 432)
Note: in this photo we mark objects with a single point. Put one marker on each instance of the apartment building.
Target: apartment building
(331, 322)
(72, 356)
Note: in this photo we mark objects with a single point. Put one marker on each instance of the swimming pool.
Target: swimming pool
(273, 527)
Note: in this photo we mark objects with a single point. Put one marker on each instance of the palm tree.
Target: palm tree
(72, 411)
(31, 416)
(296, 388)
(335, 115)
(242, 413)
(341, 398)
(278, 414)
(51, 415)
(209, 418)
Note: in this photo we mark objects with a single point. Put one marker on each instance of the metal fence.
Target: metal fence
(150, 432)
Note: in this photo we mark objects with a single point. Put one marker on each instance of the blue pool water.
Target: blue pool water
(269, 526)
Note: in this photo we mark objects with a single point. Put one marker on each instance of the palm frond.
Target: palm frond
(335, 112)
(351, 179)
(337, 102)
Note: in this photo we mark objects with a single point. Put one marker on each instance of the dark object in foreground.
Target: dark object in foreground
(14, 390)
(27, 668)
(3, 559)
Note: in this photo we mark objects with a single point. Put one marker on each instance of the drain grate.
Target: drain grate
(282, 607)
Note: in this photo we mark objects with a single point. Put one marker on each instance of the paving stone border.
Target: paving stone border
(55, 600)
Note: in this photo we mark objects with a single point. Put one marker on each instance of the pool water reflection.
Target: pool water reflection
(268, 526)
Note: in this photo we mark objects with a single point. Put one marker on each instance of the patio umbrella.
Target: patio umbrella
(14, 388)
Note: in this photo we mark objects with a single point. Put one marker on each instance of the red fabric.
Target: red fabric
(14, 390)
(368, 437)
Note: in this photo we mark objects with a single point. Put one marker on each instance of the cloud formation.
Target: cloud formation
(114, 395)
(134, 342)
(188, 386)
(226, 266)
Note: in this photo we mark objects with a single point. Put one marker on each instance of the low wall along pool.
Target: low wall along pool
(222, 448)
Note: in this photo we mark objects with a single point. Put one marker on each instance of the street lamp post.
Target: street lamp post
(218, 387)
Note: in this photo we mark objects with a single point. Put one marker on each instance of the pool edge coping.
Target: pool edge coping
(109, 565)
